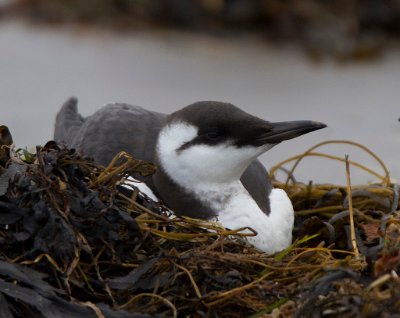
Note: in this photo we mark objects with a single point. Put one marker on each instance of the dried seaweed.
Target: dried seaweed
(75, 242)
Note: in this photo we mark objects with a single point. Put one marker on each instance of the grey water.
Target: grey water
(40, 67)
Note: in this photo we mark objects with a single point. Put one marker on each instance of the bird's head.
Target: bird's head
(214, 142)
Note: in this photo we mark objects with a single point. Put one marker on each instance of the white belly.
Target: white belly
(274, 230)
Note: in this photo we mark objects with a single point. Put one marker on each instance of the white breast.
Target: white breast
(274, 230)
(238, 209)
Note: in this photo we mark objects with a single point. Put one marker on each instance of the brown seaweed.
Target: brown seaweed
(74, 241)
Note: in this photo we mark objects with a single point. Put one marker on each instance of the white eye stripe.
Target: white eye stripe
(175, 135)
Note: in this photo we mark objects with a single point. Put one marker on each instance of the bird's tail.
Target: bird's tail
(68, 122)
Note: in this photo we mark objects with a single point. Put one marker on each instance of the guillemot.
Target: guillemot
(206, 157)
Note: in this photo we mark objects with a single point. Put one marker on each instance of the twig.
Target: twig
(395, 198)
(162, 299)
(92, 306)
(193, 282)
(384, 178)
(349, 195)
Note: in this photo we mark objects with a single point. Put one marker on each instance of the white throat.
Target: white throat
(199, 170)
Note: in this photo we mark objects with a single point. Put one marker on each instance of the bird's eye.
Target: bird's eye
(212, 135)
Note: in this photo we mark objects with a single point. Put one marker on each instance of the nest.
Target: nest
(75, 243)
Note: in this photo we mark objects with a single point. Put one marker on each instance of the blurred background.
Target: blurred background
(333, 61)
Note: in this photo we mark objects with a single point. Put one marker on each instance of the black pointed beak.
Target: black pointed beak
(286, 130)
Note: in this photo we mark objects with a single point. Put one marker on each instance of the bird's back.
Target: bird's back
(111, 129)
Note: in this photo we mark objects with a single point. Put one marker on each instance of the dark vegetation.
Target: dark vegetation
(75, 243)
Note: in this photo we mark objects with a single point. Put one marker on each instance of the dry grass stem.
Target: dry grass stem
(351, 213)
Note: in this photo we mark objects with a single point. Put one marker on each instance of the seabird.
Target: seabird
(206, 157)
